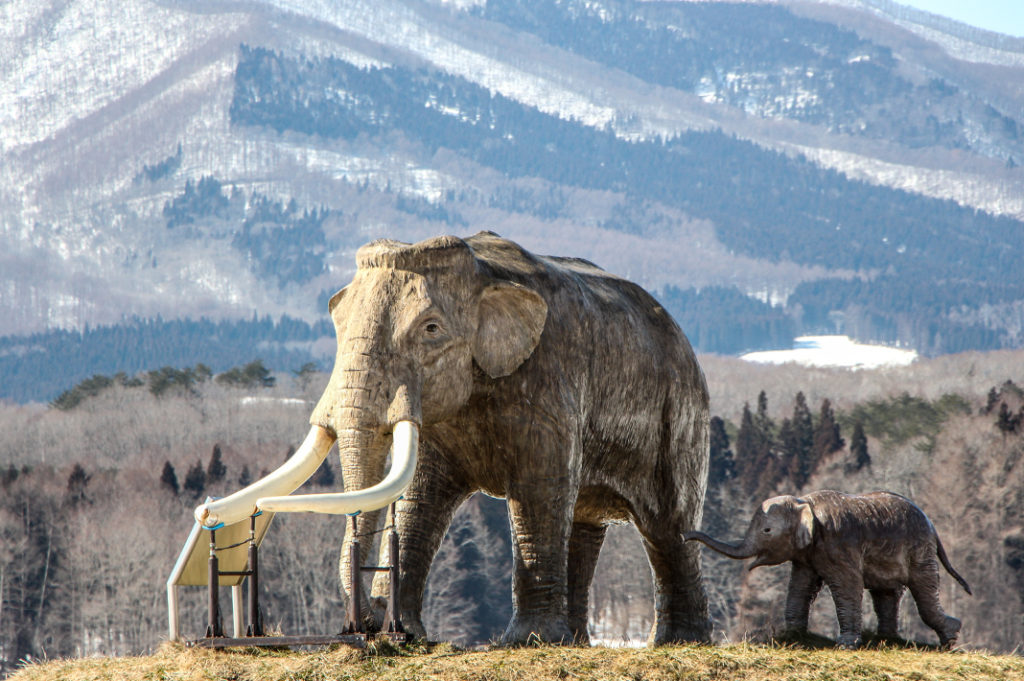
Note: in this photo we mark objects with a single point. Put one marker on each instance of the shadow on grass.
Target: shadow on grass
(871, 641)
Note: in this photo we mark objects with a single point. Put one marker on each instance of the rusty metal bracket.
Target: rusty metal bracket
(393, 617)
(353, 632)
(215, 627)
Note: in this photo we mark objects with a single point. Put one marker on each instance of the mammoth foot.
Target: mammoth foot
(413, 626)
(848, 641)
(950, 632)
(664, 634)
(530, 630)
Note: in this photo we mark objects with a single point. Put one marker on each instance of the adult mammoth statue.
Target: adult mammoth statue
(547, 381)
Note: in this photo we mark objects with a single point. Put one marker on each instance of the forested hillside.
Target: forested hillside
(743, 55)
(39, 367)
(98, 492)
(787, 209)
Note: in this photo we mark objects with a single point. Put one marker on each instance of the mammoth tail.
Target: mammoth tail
(949, 568)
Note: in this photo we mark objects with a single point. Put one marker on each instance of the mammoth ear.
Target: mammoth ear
(511, 319)
(335, 299)
(805, 526)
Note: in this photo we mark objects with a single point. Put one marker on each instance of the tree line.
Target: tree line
(40, 367)
(88, 539)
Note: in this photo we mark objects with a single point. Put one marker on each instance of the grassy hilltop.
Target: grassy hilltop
(739, 662)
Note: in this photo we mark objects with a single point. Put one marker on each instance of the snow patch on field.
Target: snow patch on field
(834, 351)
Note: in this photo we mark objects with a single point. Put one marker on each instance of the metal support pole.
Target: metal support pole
(236, 610)
(255, 621)
(173, 627)
(393, 618)
(353, 618)
(214, 628)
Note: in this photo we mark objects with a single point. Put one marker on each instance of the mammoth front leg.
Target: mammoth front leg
(424, 515)
(847, 589)
(804, 585)
(362, 466)
(540, 511)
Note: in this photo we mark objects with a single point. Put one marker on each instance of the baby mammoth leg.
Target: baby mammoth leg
(847, 589)
(924, 587)
(887, 609)
(804, 585)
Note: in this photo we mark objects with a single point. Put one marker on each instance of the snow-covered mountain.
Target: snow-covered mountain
(111, 115)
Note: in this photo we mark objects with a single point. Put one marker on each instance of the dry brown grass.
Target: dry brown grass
(741, 662)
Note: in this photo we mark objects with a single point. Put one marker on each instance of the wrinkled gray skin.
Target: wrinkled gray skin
(547, 381)
(878, 541)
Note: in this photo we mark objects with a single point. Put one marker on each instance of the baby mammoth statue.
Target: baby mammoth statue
(878, 541)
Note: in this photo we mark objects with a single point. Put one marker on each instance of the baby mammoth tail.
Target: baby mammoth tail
(949, 568)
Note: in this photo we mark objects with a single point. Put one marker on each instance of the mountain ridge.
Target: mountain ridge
(83, 228)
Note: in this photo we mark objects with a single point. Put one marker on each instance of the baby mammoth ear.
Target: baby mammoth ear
(510, 320)
(805, 526)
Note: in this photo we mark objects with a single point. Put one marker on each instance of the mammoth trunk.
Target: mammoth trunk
(739, 552)
(362, 464)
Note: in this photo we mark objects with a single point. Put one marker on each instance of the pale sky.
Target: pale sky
(1002, 16)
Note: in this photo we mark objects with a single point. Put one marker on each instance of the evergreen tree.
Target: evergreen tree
(1007, 421)
(796, 442)
(764, 423)
(788, 446)
(195, 480)
(722, 466)
(304, 375)
(9, 475)
(169, 479)
(215, 470)
(324, 476)
(746, 442)
(803, 424)
(991, 400)
(77, 481)
(252, 375)
(827, 438)
(245, 477)
(859, 447)
(755, 442)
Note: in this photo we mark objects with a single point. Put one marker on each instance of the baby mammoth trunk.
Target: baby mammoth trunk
(740, 552)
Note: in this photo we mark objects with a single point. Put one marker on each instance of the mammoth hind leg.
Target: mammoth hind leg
(925, 589)
(680, 602)
(887, 610)
(584, 548)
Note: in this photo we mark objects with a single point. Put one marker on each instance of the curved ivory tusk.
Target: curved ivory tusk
(286, 479)
(404, 445)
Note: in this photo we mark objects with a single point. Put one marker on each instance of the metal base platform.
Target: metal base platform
(356, 640)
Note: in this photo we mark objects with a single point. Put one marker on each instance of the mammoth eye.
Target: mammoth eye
(767, 530)
(432, 329)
